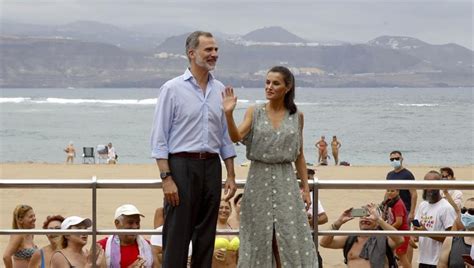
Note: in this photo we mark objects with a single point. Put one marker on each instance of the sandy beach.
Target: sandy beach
(78, 202)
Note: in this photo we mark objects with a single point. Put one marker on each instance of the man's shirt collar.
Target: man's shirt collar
(188, 75)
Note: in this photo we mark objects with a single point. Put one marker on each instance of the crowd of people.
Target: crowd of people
(193, 129)
(434, 213)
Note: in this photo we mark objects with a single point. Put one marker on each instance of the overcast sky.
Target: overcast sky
(433, 21)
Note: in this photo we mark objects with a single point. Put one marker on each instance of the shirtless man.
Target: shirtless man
(370, 222)
(322, 146)
(70, 153)
(335, 145)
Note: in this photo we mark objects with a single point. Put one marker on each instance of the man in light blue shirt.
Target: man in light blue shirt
(188, 136)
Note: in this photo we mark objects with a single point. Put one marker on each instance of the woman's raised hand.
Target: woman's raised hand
(229, 100)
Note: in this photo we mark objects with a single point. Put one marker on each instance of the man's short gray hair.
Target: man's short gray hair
(192, 42)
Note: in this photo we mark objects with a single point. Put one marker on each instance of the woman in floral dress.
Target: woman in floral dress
(274, 229)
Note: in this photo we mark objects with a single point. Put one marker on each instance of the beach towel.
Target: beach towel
(112, 251)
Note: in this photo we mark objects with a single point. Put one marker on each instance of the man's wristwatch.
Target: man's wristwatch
(164, 175)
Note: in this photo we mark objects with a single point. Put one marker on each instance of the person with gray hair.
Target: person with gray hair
(127, 250)
(189, 134)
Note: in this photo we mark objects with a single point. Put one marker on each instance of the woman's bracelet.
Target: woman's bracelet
(333, 227)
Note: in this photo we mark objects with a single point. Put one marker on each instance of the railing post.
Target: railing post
(94, 221)
(315, 213)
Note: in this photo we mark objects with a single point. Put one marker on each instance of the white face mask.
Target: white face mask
(396, 163)
(468, 221)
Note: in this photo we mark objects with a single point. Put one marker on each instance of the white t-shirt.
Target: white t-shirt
(435, 217)
(157, 240)
(456, 195)
(320, 207)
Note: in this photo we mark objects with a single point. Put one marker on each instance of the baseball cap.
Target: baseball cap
(75, 220)
(127, 209)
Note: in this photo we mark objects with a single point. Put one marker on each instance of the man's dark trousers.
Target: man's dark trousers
(199, 183)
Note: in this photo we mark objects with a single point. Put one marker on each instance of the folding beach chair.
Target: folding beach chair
(102, 153)
(88, 156)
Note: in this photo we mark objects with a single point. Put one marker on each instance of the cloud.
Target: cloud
(435, 21)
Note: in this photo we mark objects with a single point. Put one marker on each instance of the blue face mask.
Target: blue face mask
(396, 163)
(468, 221)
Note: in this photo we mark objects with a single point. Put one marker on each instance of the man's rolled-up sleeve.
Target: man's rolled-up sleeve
(162, 124)
(227, 149)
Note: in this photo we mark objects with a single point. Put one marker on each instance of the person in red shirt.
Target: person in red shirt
(395, 214)
(128, 250)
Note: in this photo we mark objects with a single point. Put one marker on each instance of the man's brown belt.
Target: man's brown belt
(201, 155)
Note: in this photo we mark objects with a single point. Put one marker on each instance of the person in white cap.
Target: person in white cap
(73, 253)
(127, 250)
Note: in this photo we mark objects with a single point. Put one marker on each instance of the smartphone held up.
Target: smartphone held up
(359, 212)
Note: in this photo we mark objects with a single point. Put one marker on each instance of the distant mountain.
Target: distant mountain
(351, 59)
(60, 60)
(86, 31)
(442, 57)
(273, 34)
(43, 62)
(397, 42)
(159, 30)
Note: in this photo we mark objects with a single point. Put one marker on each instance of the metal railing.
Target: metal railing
(315, 185)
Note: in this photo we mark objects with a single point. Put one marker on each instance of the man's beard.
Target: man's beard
(200, 62)
(432, 196)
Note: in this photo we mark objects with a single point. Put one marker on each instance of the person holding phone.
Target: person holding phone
(456, 250)
(364, 251)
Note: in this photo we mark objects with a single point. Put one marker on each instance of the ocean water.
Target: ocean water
(429, 125)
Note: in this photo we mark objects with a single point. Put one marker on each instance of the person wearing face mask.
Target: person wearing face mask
(408, 196)
(433, 214)
(399, 172)
(455, 247)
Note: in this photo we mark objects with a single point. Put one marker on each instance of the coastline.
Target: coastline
(78, 201)
(149, 171)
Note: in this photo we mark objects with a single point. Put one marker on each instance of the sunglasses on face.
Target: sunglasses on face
(394, 158)
(470, 211)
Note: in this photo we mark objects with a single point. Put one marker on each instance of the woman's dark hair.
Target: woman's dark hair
(237, 198)
(52, 218)
(63, 241)
(447, 170)
(290, 84)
